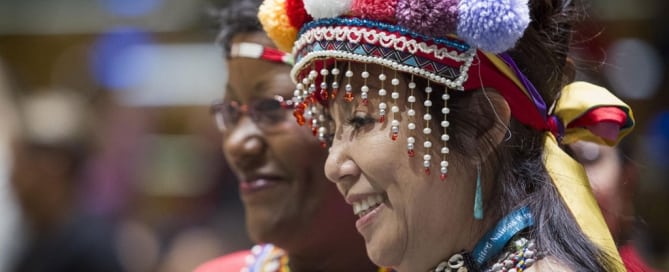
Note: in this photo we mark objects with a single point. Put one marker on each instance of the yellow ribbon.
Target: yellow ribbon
(568, 175)
(577, 99)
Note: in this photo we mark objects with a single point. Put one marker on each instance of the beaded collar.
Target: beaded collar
(520, 252)
(269, 258)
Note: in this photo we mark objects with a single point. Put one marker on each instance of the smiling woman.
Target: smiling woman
(440, 131)
(294, 214)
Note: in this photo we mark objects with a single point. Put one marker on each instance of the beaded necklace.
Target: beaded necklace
(268, 258)
(519, 255)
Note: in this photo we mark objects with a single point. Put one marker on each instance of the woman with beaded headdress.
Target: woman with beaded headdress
(445, 121)
(296, 217)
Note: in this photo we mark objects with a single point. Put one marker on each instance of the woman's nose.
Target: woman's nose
(244, 144)
(340, 167)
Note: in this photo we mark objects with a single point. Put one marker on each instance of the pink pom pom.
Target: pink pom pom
(431, 17)
(380, 10)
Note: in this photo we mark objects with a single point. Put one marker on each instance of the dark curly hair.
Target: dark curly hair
(240, 16)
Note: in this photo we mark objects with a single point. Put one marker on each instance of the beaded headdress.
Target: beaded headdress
(458, 44)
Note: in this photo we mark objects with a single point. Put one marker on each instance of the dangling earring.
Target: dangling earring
(478, 199)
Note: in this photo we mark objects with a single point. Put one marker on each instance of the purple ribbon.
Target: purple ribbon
(534, 94)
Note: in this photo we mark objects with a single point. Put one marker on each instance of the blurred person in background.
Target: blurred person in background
(614, 179)
(49, 155)
(294, 214)
(9, 225)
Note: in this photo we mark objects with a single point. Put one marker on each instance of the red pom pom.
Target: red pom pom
(297, 15)
(381, 10)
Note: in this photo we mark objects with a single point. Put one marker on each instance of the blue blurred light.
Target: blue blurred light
(130, 8)
(657, 143)
(108, 58)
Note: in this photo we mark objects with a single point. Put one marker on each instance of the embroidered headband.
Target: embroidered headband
(459, 44)
(258, 51)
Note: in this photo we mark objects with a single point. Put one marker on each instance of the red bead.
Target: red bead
(324, 94)
(382, 119)
(411, 153)
(334, 93)
(427, 171)
(443, 177)
(314, 131)
(299, 117)
(393, 136)
(365, 101)
(348, 97)
(324, 145)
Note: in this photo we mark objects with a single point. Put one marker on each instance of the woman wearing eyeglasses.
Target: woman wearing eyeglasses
(294, 214)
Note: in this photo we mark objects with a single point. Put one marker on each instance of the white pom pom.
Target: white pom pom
(327, 8)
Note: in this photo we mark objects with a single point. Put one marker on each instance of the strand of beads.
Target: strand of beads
(517, 261)
(411, 113)
(382, 97)
(427, 131)
(444, 136)
(395, 109)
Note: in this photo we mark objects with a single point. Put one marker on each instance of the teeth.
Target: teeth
(364, 206)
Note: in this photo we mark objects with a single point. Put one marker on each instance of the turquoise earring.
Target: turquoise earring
(478, 199)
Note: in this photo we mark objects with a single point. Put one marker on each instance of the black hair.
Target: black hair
(240, 16)
(520, 177)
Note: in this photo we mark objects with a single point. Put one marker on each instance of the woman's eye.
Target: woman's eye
(360, 121)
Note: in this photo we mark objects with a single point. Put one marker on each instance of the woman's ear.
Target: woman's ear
(491, 105)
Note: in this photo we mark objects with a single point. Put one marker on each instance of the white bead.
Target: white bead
(427, 103)
(427, 157)
(411, 126)
(335, 71)
(324, 85)
(411, 99)
(364, 88)
(426, 163)
(427, 117)
(428, 89)
(382, 105)
(395, 109)
(445, 137)
(324, 72)
(383, 92)
(322, 130)
(296, 93)
(305, 81)
(395, 82)
(444, 163)
(382, 77)
(427, 144)
(445, 123)
(364, 74)
(395, 95)
(444, 170)
(313, 74)
(445, 96)
(445, 110)
(411, 140)
(395, 123)
(349, 73)
(335, 85)
(445, 150)
(412, 85)
(409, 146)
(427, 130)
(411, 112)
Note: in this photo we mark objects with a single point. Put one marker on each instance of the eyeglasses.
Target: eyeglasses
(267, 113)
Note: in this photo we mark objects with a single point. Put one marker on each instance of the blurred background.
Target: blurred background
(108, 152)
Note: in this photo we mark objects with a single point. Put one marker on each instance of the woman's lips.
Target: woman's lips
(368, 218)
(257, 184)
